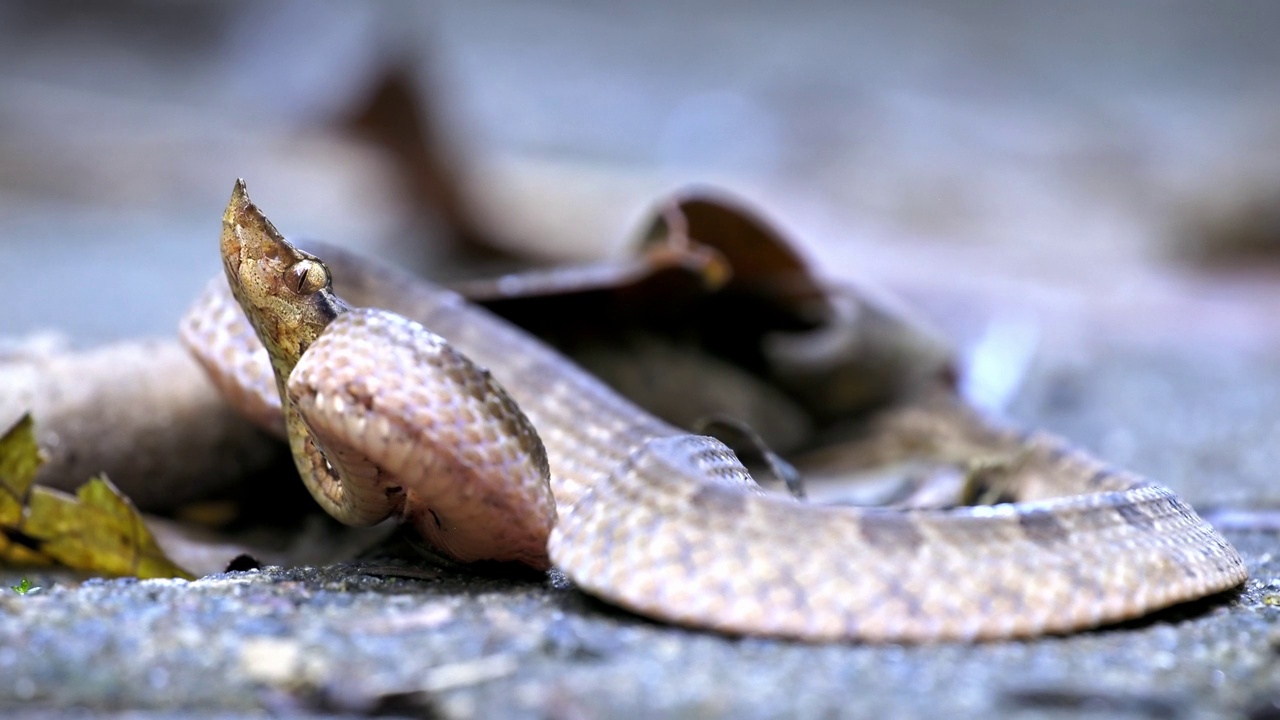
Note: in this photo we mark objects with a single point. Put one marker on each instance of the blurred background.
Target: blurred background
(1099, 172)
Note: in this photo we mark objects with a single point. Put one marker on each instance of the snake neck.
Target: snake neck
(287, 341)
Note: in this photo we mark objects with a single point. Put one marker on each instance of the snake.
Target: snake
(406, 401)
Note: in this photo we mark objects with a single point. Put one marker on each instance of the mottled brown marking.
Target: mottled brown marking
(1043, 527)
(890, 531)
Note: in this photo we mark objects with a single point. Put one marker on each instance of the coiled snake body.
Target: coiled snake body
(541, 463)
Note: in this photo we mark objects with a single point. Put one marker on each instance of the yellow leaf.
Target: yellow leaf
(20, 458)
(97, 529)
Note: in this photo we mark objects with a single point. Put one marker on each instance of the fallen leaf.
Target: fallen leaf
(656, 285)
(741, 324)
(97, 529)
(765, 264)
(20, 459)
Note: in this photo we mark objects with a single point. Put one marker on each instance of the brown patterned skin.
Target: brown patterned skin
(668, 524)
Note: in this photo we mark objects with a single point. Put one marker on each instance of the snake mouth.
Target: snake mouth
(231, 259)
(232, 221)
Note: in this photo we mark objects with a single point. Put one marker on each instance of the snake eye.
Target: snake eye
(309, 277)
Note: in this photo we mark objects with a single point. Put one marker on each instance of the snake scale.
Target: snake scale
(495, 447)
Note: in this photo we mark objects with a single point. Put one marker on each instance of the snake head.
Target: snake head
(284, 292)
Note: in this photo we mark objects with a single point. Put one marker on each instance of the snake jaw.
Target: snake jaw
(234, 218)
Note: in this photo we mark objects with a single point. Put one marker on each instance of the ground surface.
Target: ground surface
(335, 639)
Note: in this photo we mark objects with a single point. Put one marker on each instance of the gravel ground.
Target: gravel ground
(1202, 423)
(341, 641)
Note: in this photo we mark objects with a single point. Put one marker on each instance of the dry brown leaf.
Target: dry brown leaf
(658, 283)
(713, 282)
(764, 262)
